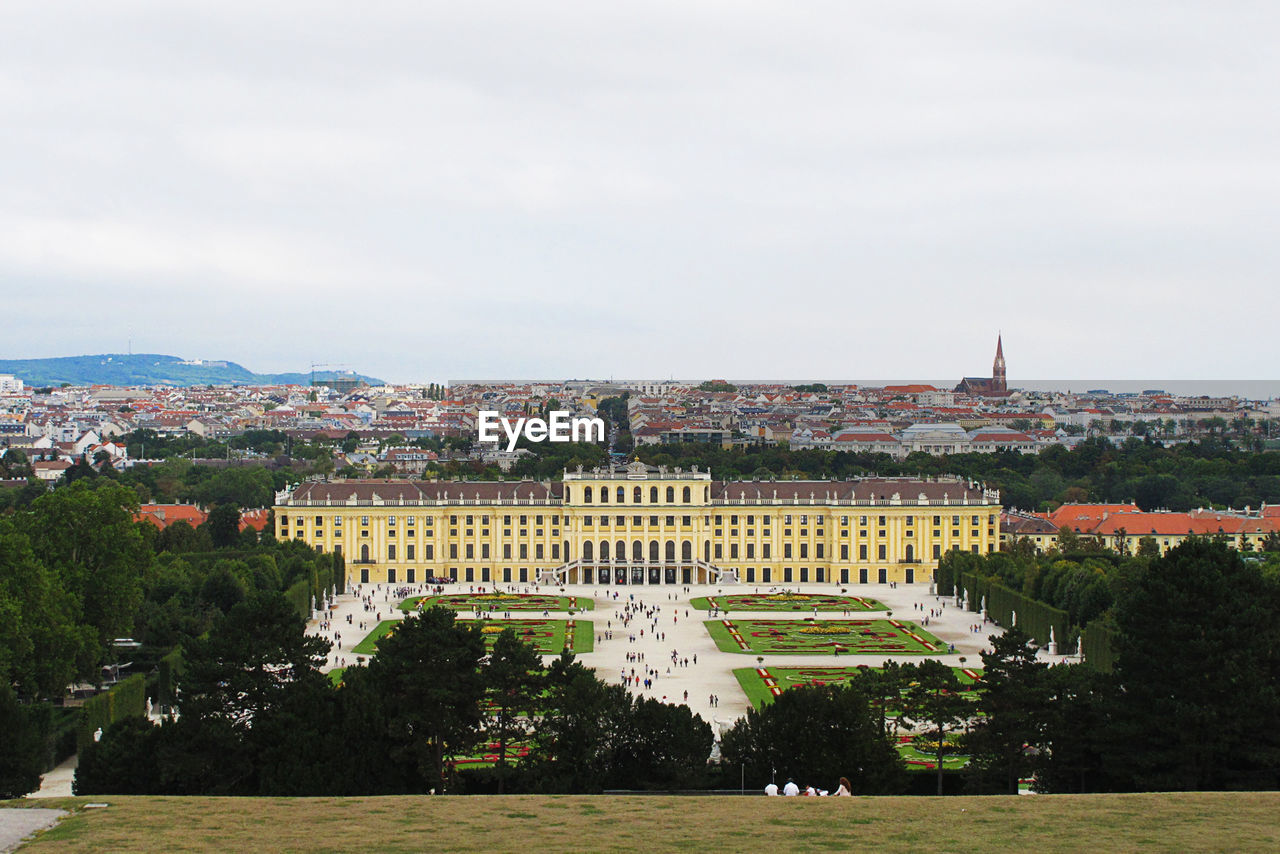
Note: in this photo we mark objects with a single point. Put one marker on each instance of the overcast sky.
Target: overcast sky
(424, 191)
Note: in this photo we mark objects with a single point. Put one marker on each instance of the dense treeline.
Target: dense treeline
(1213, 472)
(1208, 473)
(259, 717)
(1189, 705)
(148, 444)
(1075, 585)
(78, 572)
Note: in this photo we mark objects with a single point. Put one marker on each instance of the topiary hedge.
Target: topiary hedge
(129, 697)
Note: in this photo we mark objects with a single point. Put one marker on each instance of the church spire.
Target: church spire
(998, 382)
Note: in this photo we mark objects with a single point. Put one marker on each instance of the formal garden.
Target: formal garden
(786, 601)
(490, 601)
(823, 637)
(763, 684)
(547, 637)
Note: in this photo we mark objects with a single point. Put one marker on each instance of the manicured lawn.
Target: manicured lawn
(1046, 824)
(786, 602)
(822, 637)
(546, 636)
(488, 755)
(500, 602)
(369, 645)
(918, 761)
(761, 685)
(335, 675)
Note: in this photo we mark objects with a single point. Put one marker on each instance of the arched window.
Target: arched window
(686, 551)
(688, 495)
(586, 495)
(604, 549)
(622, 495)
(567, 556)
(588, 549)
(911, 553)
(620, 551)
(653, 495)
(364, 552)
(604, 495)
(654, 548)
(637, 551)
(636, 495)
(706, 551)
(671, 551)
(706, 494)
(671, 495)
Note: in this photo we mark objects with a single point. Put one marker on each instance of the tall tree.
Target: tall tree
(42, 646)
(660, 746)
(26, 730)
(1198, 664)
(223, 525)
(1073, 754)
(428, 672)
(86, 533)
(513, 682)
(573, 741)
(884, 686)
(254, 660)
(816, 734)
(1012, 705)
(935, 706)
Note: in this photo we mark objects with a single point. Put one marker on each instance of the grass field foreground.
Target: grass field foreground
(1208, 822)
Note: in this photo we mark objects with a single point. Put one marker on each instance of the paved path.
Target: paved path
(17, 824)
(57, 782)
(680, 629)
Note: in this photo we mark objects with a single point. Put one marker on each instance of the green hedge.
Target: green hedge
(1034, 618)
(129, 697)
(339, 573)
(299, 595)
(945, 578)
(1097, 643)
(64, 734)
(170, 668)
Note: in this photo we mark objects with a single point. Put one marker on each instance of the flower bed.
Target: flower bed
(547, 637)
(786, 601)
(489, 602)
(845, 637)
(762, 684)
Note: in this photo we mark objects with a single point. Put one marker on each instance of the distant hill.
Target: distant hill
(152, 369)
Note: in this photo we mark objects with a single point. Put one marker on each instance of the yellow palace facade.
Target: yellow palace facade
(643, 525)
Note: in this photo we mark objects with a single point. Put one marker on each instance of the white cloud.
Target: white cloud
(697, 188)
